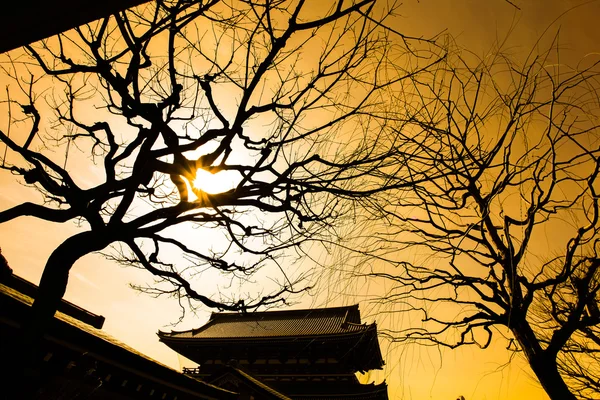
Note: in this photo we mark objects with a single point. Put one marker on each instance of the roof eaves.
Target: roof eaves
(172, 336)
(183, 383)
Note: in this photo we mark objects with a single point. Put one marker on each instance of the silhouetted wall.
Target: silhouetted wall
(26, 21)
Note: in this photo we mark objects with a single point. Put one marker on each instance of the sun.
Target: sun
(216, 183)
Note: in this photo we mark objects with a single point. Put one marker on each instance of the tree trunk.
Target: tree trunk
(53, 285)
(547, 373)
(542, 363)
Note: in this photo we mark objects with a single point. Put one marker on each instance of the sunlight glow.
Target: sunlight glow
(216, 183)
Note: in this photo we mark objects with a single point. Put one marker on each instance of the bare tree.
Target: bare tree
(499, 233)
(576, 297)
(157, 99)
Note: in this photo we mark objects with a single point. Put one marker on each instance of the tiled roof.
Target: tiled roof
(289, 323)
(29, 289)
(100, 334)
(107, 347)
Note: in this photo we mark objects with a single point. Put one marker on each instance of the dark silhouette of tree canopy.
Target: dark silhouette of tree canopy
(496, 230)
(279, 94)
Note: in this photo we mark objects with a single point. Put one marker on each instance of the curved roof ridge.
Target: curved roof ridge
(300, 322)
(353, 307)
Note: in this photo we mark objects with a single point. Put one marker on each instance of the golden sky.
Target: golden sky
(412, 372)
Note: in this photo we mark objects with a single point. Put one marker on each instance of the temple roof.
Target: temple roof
(310, 334)
(269, 324)
(76, 336)
(29, 289)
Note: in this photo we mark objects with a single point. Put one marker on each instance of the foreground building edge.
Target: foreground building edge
(81, 361)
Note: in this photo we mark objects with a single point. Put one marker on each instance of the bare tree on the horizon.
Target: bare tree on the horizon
(499, 233)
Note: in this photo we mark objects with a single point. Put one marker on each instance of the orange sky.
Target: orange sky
(412, 372)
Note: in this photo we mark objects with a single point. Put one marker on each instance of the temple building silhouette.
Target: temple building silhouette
(310, 354)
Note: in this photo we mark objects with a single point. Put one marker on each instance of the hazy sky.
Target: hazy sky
(413, 372)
